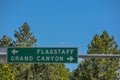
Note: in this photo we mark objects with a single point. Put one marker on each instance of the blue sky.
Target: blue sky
(62, 22)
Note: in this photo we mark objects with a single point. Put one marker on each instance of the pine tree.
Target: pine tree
(99, 69)
(24, 38)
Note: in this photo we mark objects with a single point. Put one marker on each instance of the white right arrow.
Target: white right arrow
(14, 51)
(70, 58)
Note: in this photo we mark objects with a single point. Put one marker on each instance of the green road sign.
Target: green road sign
(42, 55)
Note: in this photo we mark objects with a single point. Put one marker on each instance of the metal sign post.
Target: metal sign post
(3, 52)
(99, 56)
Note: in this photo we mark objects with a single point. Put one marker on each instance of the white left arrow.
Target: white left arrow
(14, 51)
(70, 58)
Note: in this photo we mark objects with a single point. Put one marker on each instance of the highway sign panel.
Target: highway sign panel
(42, 55)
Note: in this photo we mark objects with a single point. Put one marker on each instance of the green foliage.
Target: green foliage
(6, 72)
(99, 69)
(24, 37)
(51, 72)
(6, 42)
